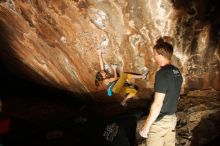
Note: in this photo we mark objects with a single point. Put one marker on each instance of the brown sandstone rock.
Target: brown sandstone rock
(54, 42)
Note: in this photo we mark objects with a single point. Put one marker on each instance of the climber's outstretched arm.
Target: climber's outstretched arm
(115, 77)
(101, 59)
(138, 76)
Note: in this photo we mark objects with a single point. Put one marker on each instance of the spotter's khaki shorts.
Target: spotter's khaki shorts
(162, 132)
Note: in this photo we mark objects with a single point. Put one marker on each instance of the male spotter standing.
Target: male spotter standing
(159, 127)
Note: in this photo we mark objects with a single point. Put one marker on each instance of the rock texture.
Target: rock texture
(54, 42)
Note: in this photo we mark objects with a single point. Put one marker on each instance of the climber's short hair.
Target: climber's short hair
(99, 77)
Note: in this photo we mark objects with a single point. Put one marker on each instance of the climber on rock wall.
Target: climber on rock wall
(117, 84)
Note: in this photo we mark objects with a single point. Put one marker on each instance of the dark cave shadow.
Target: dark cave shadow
(207, 132)
(18, 90)
(38, 131)
(34, 132)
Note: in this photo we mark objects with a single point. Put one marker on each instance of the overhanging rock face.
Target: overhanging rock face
(54, 42)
